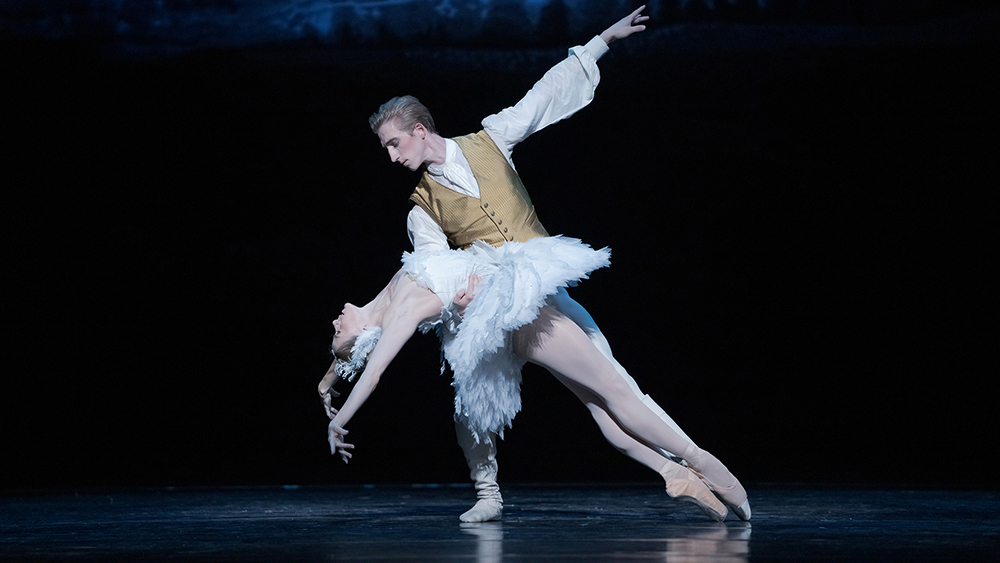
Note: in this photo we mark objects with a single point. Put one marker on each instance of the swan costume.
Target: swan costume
(517, 278)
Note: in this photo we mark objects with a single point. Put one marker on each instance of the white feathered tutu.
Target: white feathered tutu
(516, 280)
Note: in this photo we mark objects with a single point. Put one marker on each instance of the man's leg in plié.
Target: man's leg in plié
(481, 458)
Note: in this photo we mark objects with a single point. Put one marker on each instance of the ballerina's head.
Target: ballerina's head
(353, 341)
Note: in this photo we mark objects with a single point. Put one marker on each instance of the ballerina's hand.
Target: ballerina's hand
(326, 393)
(626, 26)
(337, 443)
(465, 296)
(327, 403)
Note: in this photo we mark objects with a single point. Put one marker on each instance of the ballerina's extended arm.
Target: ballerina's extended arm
(326, 392)
(410, 305)
(325, 387)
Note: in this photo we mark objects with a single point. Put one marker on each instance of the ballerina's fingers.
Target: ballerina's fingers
(327, 404)
(337, 444)
(342, 450)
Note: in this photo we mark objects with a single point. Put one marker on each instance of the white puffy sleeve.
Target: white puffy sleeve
(564, 90)
(425, 233)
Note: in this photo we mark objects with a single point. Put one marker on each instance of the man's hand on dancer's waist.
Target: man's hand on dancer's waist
(465, 296)
(626, 26)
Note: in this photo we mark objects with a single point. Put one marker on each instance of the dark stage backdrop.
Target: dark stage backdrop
(802, 219)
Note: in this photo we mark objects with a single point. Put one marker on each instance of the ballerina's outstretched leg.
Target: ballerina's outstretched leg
(681, 483)
(559, 345)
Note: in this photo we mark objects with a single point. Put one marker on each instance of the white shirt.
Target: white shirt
(564, 90)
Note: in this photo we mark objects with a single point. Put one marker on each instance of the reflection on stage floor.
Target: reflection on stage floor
(598, 522)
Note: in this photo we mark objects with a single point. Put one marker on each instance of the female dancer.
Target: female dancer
(497, 320)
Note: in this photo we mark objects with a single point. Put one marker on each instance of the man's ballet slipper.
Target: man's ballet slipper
(485, 510)
(481, 457)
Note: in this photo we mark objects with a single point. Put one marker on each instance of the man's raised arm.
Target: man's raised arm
(564, 90)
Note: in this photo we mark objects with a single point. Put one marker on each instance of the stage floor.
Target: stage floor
(598, 522)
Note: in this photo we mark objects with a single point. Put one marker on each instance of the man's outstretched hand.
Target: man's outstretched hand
(626, 26)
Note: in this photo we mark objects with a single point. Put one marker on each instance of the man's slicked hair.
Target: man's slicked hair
(407, 111)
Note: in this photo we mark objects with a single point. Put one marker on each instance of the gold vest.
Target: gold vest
(503, 211)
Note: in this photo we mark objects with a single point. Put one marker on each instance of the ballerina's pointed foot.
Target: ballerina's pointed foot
(683, 485)
(719, 479)
(743, 510)
(734, 496)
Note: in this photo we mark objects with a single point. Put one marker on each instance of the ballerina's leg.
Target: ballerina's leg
(613, 433)
(559, 345)
(554, 342)
(681, 484)
(582, 318)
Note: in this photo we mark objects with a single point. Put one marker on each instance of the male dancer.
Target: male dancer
(470, 191)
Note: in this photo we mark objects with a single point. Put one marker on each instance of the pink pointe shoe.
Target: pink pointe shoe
(707, 467)
(683, 485)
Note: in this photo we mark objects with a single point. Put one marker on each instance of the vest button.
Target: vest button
(492, 213)
(500, 222)
(505, 229)
(486, 205)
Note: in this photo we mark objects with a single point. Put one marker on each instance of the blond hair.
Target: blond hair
(406, 111)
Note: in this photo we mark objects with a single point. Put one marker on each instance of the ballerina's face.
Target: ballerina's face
(346, 327)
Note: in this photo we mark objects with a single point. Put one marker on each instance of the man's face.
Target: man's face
(404, 148)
